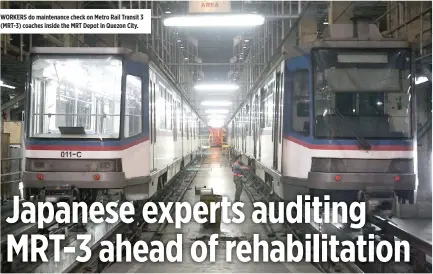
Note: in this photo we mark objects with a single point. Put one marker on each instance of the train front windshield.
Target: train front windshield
(362, 94)
(75, 97)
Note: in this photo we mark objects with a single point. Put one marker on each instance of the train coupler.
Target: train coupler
(380, 203)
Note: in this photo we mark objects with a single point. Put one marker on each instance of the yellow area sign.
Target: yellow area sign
(215, 6)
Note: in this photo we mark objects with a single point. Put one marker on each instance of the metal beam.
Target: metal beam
(13, 101)
(213, 64)
(267, 17)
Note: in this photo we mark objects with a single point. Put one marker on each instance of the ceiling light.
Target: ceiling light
(420, 80)
(217, 111)
(216, 87)
(6, 86)
(168, 11)
(178, 40)
(232, 20)
(181, 47)
(216, 116)
(246, 40)
(216, 103)
(325, 23)
(216, 123)
(186, 58)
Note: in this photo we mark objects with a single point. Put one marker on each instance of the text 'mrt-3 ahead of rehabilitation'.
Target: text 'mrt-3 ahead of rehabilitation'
(304, 210)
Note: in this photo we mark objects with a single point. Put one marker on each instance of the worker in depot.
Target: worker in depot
(238, 176)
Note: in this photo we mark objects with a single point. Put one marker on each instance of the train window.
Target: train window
(247, 120)
(178, 117)
(302, 109)
(168, 111)
(174, 119)
(187, 124)
(133, 106)
(269, 110)
(262, 107)
(162, 113)
(300, 103)
(88, 98)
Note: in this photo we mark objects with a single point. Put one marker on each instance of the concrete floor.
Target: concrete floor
(220, 179)
(216, 175)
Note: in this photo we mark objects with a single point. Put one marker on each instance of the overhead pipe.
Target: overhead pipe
(270, 16)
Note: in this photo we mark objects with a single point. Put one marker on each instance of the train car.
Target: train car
(335, 117)
(100, 119)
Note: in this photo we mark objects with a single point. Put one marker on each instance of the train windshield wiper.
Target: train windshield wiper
(361, 140)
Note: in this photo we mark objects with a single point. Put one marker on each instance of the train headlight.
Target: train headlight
(401, 166)
(36, 165)
(327, 165)
(109, 166)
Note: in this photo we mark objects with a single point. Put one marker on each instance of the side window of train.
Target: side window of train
(300, 102)
(133, 106)
(169, 111)
(162, 113)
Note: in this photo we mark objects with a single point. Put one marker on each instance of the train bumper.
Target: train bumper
(90, 180)
(357, 181)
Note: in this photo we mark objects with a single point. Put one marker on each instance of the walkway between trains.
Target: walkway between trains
(219, 178)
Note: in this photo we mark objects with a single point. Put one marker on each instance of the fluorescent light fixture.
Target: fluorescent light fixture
(6, 86)
(216, 116)
(420, 80)
(217, 111)
(216, 87)
(216, 103)
(246, 40)
(230, 20)
(216, 123)
(325, 23)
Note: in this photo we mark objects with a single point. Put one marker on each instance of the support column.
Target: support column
(69, 40)
(340, 12)
(307, 28)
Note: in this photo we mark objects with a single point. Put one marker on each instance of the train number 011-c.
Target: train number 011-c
(70, 154)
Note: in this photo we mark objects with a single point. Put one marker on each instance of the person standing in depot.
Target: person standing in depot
(237, 169)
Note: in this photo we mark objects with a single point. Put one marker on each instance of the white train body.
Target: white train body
(308, 129)
(122, 126)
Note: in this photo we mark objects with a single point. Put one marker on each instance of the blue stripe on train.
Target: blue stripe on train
(354, 142)
(84, 142)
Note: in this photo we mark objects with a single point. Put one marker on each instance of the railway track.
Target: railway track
(384, 229)
(174, 191)
(52, 228)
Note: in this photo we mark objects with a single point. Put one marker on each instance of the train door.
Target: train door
(297, 97)
(136, 105)
(254, 122)
(280, 78)
(152, 103)
(244, 132)
(276, 123)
